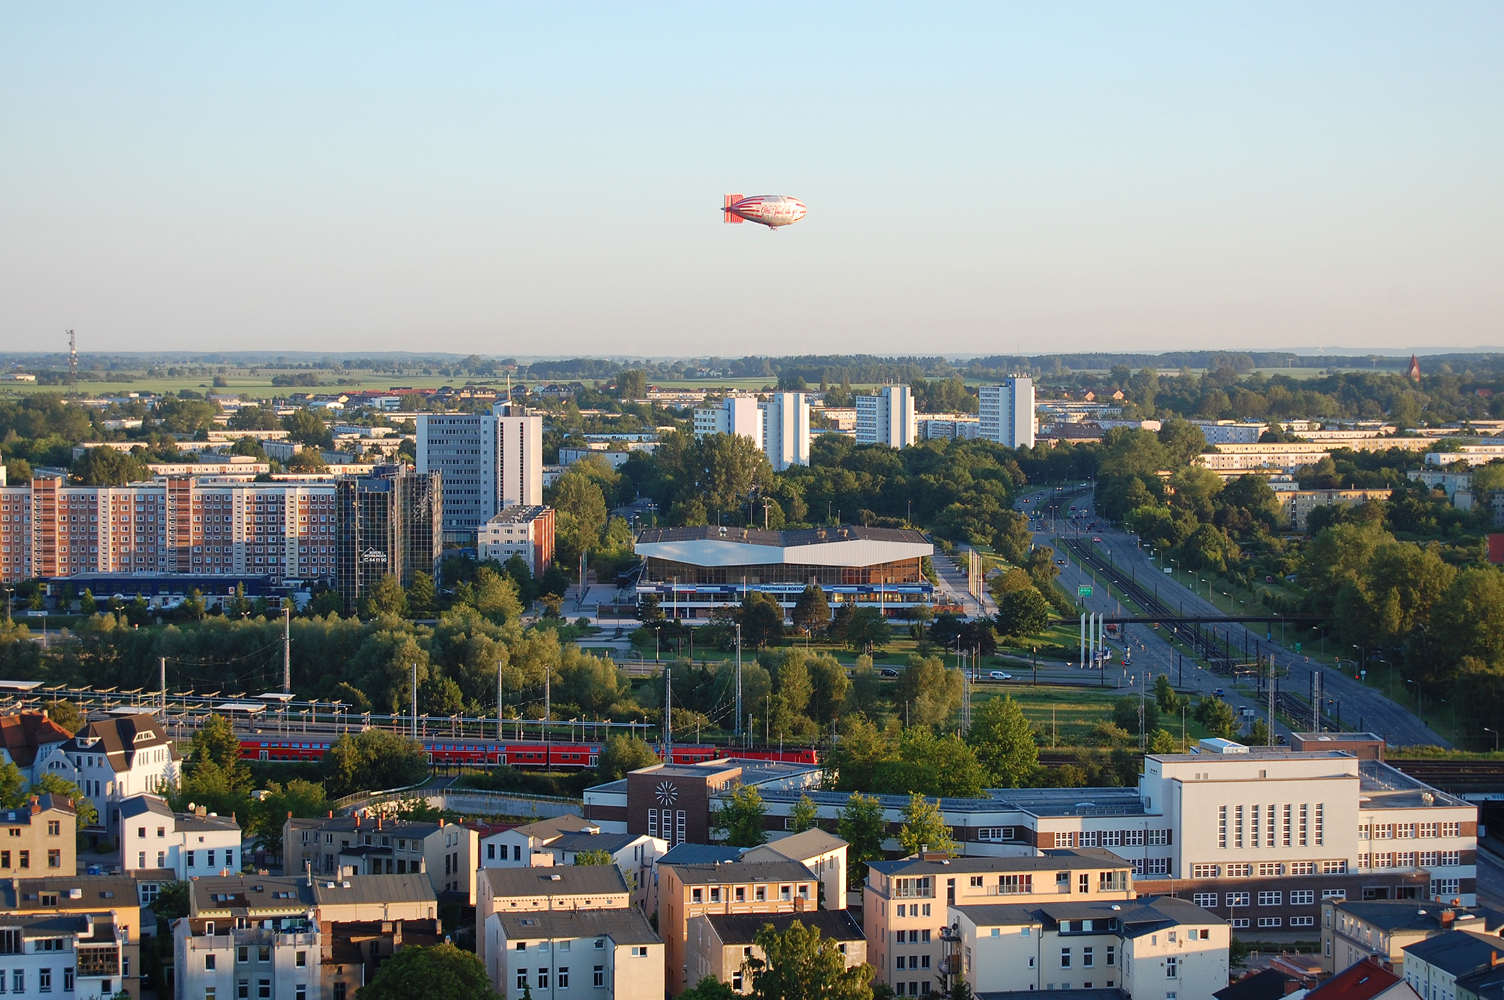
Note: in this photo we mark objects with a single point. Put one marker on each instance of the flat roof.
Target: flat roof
(19, 685)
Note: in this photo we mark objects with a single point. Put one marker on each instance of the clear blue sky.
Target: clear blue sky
(545, 179)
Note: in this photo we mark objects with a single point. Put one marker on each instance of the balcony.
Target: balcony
(94, 961)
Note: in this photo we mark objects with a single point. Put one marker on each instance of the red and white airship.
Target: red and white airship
(771, 210)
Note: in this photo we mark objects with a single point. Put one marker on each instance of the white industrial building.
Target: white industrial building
(887, 417)
(1007, 412)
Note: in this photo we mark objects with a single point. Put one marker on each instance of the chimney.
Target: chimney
(36, 805)
(1494, 961)
(308, 868)
(441, 822)
(331, 813)
(1448, 918)
(378, 821)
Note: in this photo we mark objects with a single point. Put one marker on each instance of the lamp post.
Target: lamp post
(1363, 663)
(1496, 737)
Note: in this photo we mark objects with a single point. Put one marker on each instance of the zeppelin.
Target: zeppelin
(771, 210)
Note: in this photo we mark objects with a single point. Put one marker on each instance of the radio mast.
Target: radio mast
(72, 364)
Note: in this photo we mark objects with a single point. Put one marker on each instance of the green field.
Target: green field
(1065, 715)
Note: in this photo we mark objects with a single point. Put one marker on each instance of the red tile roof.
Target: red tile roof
(23, 733)
(1363, 981)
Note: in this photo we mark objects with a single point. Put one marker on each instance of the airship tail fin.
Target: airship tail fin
(727, 216)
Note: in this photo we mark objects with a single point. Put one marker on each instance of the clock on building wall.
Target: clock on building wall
(666, 793)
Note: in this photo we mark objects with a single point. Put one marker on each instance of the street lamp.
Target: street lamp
(1496, 737)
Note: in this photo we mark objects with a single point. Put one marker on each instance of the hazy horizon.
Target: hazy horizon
(545, 182)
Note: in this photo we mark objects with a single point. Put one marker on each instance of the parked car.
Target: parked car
(1096, 538)
(998, 675)
(887, 672)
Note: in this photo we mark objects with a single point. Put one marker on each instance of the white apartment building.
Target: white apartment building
(489, 461)
(785, 429)
(886, 417)
(905, 902)
(525, 531)
(1230, 431)
(296, 938)
(75, 954)
(733, 415)
(610, 954)
(1007, 412)
(822, 853)
(113, 760)
(191, 845)
(521, 846)
(1151, 948)
(374, 845)
(535, 892)
(1256, 457)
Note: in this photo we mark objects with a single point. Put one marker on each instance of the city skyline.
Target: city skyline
(492, 181)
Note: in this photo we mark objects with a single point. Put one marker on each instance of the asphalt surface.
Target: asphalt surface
(1151, 654)
(953, 580)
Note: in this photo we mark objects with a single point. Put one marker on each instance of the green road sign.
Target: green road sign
(1083, 591)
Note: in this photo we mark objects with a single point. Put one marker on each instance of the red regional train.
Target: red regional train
(554, 756)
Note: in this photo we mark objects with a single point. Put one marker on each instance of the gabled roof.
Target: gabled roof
(610, 842)
(1361, 981)
(808, 844)
(1410, 915)
(743, 928)
(556, 880)
(1060, 860)
(1457, 952)
(1267, 985)
(22, 814)
(118, 739)
(145, 804)
(410, 888)
(625, 926)
(74, 893)
(24, 733)
(700, 854)
(248, 893)
(556, 826)
(742, 871)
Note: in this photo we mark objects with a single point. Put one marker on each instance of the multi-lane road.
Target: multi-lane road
(1152, 654)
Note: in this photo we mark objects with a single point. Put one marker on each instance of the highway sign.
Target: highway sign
(1083, 591)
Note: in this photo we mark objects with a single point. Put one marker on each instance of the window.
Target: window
(1065, 958)
(1302, 921)
(1159, 866)
(1203, 871)
(1333, 893)
(44, 980)
(264, 953)
(542, 979)
(1446, 886)
(760, 894)
(1222, 826)
(976, 881)
(1302, 897)
(715, 894)
(301, 959)
(1112, 955)
(68, 984)
(1238, 922)
(697, 895)
(1451, 829)
(1335, 867)
(1302, 868)
(522, 979)
(563, 977)
(1268, 868)
(1237, 899)
(1087, 958)
(1205, 899)
(1239, 870)
(1270, 898)
(1427, 829)
(209, 961)
(1269, 921)
(339, 991)
(1172, 967)
(599, 978)
(1451, 857)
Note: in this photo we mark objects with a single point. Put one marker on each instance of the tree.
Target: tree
(739, 817)
(1216, 716)
(931, 693)
(632, 384)
(761, 618)
(924, 828)
(12, 786)
(864, 829)
(422, 598)
(1135, 715)
(710, 988)
(386, 597)
(622, 754)
(596, 857)
(441, 972)
(799, 965)
(307, 428)
(1004, 742)
(804, 814)
(87, 605)
(108, 467)
(1022, 612)
(1164, 694)
(216, 748)
(171, 902)
(51, 784)
(298, 798)
(65, 714)
(308, 460)
(867, 628)
(374, 759)
(811, 612)
(1258, 733)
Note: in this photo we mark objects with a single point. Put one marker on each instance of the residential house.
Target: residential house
(1433, 966)
(297, 938)
(822, 853)
(1365, 980)
(39, 837)
(376, 845)
(1265, 984)
(110, 761)
(689, 891)
(111, 951)
(610, 954)
(720, 944)
(543, 889)
(905, 902)
(514, 847)
(190, 844)
(1153, 948)
(27, 738)
(1355, 929)
(72, 954)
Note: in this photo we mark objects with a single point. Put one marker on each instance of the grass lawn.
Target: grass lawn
(1070, 712)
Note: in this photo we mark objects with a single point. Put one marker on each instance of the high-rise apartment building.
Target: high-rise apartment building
(389, 525)
(785, 430)
(1007, 412)
(886, 417)
(489, 461)
(732, 415)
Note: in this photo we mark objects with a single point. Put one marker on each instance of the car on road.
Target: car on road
(998, 675)
(1096, 538)
(1219, 692)
(1060, 562)
(887, 672)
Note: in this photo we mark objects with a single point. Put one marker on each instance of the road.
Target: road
(953, 580)
(1361, 706)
